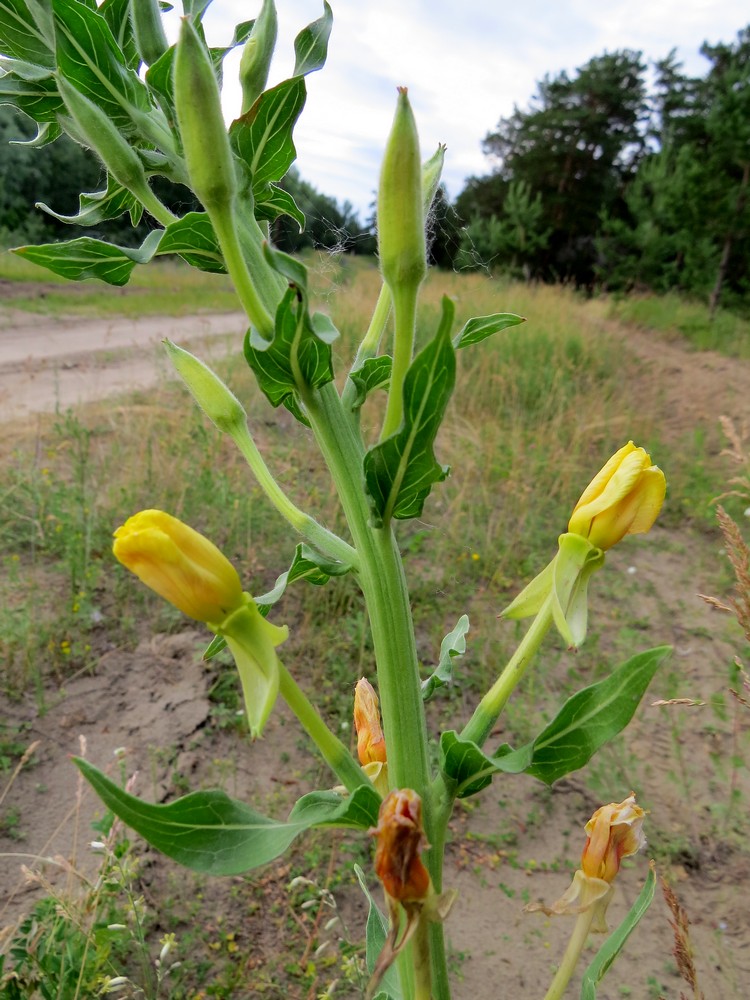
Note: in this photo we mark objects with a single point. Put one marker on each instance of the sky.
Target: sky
(466, 64)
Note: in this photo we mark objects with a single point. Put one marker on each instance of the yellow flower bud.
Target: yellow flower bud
(180, 565)
(623, 499)
(370, 739)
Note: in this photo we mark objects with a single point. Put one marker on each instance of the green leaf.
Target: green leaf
(99, 206)
(311, 44)
(193, 238)
(21, 37)
(375, 373)
(275, 202)
(583, 725)
(297, 358)
(400, 472)
(616, 940)
(117, 15)
(46, 133)
(454, 644)
(88, 258)
(160, 81)
(262, 137)
(210, 832)
(481, 327)
(38, 98)
(376, 931)
(307, 564)
(593, 716)
(90, 58)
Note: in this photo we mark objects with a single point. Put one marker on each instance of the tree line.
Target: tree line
(603, 181)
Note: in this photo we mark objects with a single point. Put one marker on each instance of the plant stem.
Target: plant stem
(405, 316)
(489, 708)
(572, 954)
(231, 249)
(315, 533)
(333, 751)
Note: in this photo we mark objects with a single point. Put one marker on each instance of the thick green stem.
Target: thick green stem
(333, 751)
(323, 539)
(422, 968)
(489, 708)
(405, 324)
(572, 954)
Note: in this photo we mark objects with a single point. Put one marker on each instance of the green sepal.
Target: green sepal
(311, 44)
(617, 939)
(210, 832)
(453, 645)
(374, 373)
(400, 472)
(481, 327)
(586, 721)
(252, 641)
(564, 584)
(376, 932)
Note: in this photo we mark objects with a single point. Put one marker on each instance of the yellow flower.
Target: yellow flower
(623, 499)
(370, 739)
(614, 832)
(180, 565)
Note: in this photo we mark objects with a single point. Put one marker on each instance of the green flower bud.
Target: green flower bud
(256, 56)
(94, 128)
(431, 172)
(204, 136)
(401, 240)
(216, 400)
(150, 39)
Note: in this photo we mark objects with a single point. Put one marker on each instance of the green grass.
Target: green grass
(673, 315)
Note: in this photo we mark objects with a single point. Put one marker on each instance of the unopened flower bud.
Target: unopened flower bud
(624, 498)
(150, 39)
(400, 840)
(370, 739)
(401, 238)
(216, 400)
(257, 54)
(204, 137)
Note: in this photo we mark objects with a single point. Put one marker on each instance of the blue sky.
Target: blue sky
(466, 63)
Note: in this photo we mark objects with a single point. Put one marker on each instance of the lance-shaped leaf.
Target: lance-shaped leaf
(617, 939)
(160, 81)
(376, 931)
(481, 327)
(274, 201)
(98, 206)
(38, 98)
(117, 15)
(22, 37)
(454, 644)
(46, 133)
(311, 44)
(585, 723)
(375, 373)
(88, 258)
(299, 356)
(210, 832)
(193, 238)
(90, 58)
(400, 472)
(262, 137)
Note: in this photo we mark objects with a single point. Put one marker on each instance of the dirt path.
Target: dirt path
(48, 363)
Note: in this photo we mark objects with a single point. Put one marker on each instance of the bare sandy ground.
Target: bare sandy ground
(48, 364)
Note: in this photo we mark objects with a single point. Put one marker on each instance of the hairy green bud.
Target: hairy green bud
(257, 54)
(216, 400)
(204, 137)
(93, 127)
(150, 39)
(401, 240)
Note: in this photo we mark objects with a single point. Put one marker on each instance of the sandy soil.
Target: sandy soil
(154, 702)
